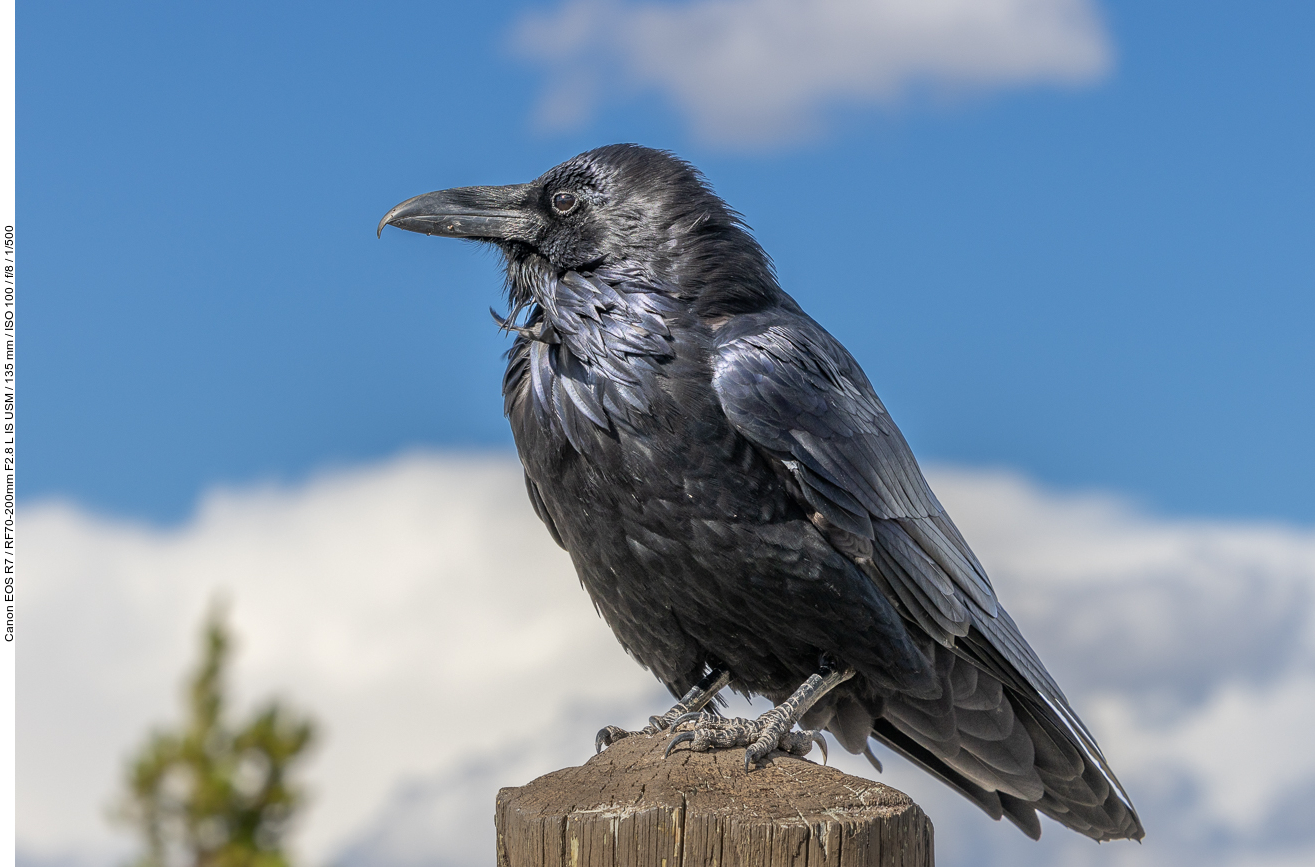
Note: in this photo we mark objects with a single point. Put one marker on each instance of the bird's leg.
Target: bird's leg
(692, 702)
(772, 730)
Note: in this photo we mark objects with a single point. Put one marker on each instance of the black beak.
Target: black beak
(489, 213)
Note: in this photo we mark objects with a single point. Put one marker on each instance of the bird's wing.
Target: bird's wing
(1002, 732)
(797, 394)
(541, 509)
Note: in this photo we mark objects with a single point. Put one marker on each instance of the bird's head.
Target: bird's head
(622, 207)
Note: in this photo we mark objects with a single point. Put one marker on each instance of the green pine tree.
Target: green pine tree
(211, 795)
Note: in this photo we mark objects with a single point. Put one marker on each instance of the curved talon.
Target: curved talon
(607, 735)
(755, 753)
(821, 742)
(687, 717)
(681, 738)
(657, 722)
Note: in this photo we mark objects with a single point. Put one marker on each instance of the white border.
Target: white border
(8, 800)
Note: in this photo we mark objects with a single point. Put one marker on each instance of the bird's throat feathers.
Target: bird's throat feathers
(587, 355)
(710, 263)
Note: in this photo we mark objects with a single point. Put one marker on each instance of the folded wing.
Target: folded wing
(1002, 733)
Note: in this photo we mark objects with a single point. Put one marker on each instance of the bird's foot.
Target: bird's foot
(609, 735)
(771, 731)
(693, 702)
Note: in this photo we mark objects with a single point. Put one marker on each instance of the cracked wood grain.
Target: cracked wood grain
(628, 807)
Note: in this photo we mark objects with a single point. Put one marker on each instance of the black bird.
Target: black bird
(740, 506)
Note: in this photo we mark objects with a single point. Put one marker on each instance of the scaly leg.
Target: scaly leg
(693, 702)
(772, 730)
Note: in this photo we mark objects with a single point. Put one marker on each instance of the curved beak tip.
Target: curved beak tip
(484, 213)
(387, 220)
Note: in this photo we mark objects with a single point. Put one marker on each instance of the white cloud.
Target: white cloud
(763, 72)
(1188, 647)
(370, 596)
(418, 608)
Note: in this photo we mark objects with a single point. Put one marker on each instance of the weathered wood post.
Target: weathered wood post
(629, 807)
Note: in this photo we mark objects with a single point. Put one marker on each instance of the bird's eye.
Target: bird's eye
(563, 202)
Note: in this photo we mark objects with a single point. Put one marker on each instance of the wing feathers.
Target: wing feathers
(797, 394)
(1002, 732)
(930, 534)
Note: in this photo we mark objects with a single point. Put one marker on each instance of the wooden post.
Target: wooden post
(629, 807)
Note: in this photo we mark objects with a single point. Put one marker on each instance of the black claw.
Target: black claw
(754, 754)
(657, 722)
(607, 735)
(821, 742)
(687, 717)
(681, 738)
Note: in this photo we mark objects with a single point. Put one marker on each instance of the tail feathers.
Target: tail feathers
(1109, 820)
(886, 732)
(1010, 752)
(994, 645)
(1022, 814)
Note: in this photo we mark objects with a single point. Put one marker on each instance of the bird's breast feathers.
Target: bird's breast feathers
(590, 363)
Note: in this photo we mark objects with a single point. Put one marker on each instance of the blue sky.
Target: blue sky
(1105, 283)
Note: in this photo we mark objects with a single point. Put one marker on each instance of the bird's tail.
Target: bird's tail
(1001, 744)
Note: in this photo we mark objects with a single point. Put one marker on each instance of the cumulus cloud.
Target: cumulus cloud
(421, 612)
(1187, 646)
(763, 72)
(417, 608)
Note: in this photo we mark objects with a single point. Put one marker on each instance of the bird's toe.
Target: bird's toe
(759, 737)
(608, 735)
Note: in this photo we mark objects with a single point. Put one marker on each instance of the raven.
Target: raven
(739, 504)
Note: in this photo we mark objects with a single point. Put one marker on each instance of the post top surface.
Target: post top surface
(631, 775)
